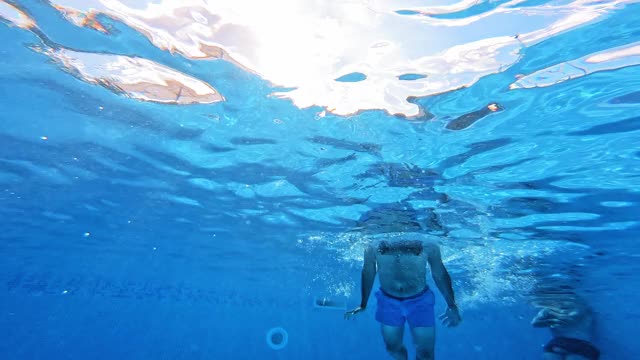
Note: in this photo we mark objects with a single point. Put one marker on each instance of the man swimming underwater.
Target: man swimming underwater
(401, 265)
(571, 324)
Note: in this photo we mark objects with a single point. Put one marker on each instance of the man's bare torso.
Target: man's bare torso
(402, 266)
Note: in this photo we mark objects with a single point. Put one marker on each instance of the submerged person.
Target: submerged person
(404, 294)
(571, 324)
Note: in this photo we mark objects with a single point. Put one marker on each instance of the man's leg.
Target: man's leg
(567, 356)
(575, 357)
(552, 356)
(424, 338)
(392, 336)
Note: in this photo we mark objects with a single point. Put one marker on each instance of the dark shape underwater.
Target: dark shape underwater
(469, 119)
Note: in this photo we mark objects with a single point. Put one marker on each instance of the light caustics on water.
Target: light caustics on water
(136, 77)
(515, 202)
(139, 78)
(398, 50)
(611, 59)
(16, 16)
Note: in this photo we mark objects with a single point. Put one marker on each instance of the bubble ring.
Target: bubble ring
(277, 331)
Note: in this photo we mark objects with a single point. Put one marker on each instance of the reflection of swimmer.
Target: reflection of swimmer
(400, 217)
(401, 265)
(571, 323)
(469, 119)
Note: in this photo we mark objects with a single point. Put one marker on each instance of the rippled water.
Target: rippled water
(178, 177)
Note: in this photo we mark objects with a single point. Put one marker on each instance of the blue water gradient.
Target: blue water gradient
(139, 230)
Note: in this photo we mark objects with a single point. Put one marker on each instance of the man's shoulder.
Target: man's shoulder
(371, 249)
(377, 241)
(430, 247)
(372, 244)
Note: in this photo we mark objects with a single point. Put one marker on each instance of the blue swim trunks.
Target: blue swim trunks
(417, 310)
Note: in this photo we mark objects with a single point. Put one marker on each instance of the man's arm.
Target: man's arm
(441, 275)
(369, 270)
(451, 316)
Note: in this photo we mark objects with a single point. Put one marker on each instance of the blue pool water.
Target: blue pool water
(166, 193)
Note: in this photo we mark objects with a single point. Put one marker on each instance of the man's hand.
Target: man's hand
(351, 314)
(451, 317)
(550, 318)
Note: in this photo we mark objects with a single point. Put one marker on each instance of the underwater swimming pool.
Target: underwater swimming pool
(199, 179)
